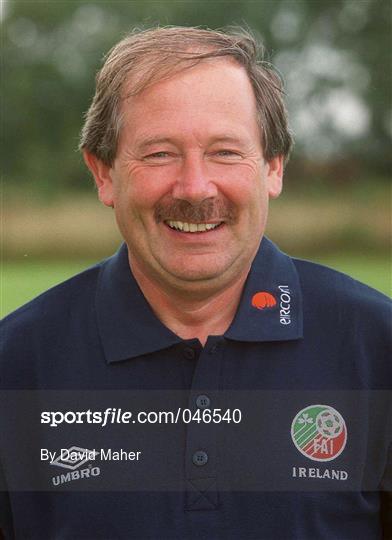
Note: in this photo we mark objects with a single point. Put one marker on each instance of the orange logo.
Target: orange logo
(262, 300)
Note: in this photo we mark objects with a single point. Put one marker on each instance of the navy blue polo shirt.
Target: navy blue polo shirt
(295, 441)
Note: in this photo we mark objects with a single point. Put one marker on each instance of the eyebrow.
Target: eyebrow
(146, 143)
(154, 140)
(227, 139)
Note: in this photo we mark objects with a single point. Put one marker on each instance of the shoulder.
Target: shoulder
(50, 334)
(324, 282)
(52, 308)
(344, 315)
(343, 301)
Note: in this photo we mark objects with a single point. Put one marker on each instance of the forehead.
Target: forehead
(216, 93)
(153, 72)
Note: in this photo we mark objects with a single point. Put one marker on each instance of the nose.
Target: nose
(193, 183)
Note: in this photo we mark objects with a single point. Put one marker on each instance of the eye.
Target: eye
(228, 154)
(157, 155)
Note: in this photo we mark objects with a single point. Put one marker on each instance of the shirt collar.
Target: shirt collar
(128, 326)
(271, 303)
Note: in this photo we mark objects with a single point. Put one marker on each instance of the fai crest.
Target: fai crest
(319, 432)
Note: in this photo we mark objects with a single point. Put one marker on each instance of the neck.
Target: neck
(192, 315)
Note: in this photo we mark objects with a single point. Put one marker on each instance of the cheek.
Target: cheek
(246, 194)
(137, 197)
(242, 183)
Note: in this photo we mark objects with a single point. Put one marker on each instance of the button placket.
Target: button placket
(203, 401)
(189, 353)
(214, 348)
(200, 458)
(201, 446)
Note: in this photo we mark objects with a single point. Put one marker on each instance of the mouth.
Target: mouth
(186, 227)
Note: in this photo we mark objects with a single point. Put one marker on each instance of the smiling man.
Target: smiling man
(276, 370)
(190, 186)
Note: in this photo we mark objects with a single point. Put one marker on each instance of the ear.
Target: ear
(102, 177)
(275, 176)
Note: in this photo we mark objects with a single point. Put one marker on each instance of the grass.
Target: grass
(23, 281)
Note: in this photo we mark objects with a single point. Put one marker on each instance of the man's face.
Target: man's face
(189, 184)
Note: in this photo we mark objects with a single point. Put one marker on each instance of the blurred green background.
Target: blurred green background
(335, 59)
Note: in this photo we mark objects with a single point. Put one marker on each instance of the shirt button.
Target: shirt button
(200, 458)
(203, 401)
(214, 349)
(189, 353)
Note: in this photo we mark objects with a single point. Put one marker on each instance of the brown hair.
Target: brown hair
(145, 57)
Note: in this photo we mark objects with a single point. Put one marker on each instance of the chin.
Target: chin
(194, 275)
(198, 271)
(194, 271)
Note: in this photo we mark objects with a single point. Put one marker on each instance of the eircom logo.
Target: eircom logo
(319, 432)
(73, 458)
(263, 300)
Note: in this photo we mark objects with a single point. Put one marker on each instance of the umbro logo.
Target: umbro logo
(72, 458)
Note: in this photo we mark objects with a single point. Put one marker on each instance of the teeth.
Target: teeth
(192, 227)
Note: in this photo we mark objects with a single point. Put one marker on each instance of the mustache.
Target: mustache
(207, 210)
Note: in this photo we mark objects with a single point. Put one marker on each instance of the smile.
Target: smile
(192, 227)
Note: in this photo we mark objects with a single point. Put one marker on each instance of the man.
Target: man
(278, 368)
